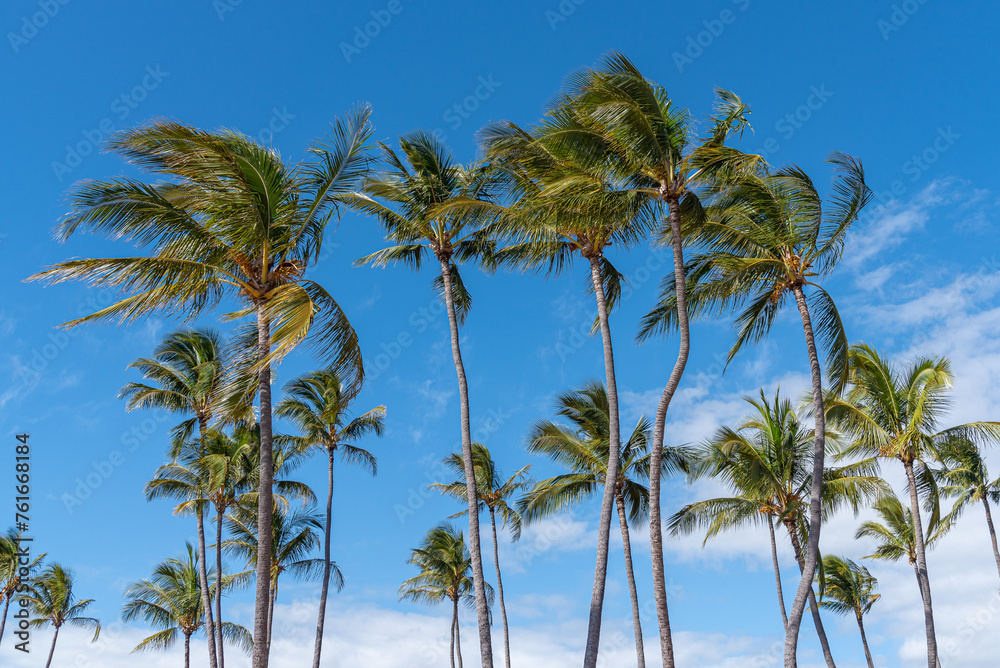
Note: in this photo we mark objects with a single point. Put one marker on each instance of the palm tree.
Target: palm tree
(566, 205)
(653, 146)
(494, 494)
(893, 413)
(172, 602)
(11, 580)
(235, 222)
(583, 449)
(765, 240)
(293, 536)
(186, 373)
(318, 404)
(845, 587)
(428, 204)
(52, 602)
(445, 567)
(966, 477)
(767, 463)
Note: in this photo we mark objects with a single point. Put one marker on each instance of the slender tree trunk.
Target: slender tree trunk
(989, 523)
(264, 497)
(321, 618)
(607, 504)
(656, 454)
(3, 620)
(206, 592)
(816, 493)
(630, 574)
(478, 581)
(864, 641)
(503, 607)
(922, 579)
(458, 637)
(454, 622)
(206, 596)
(270, 612)
(52, 650)
(813, 608)
(777, 573)
(218, 584)
(187, 650)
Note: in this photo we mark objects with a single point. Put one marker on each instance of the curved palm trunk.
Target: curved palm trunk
(921, 567)
(454, 621)
(458, 637)
(206, 592)
(630, 574)
(656, 454)
(777, 573)
(989, 523)
(864, 641)
(813, 608)
(187, 650)
(478, 581)
(270, 613)
(52, 650)
(206, 596)
(604, 531)
(218, 583)
(815, 512)
(321, 617)
(3, 620)
(264, 498)
(503, 608)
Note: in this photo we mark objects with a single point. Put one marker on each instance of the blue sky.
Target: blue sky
(906, 86)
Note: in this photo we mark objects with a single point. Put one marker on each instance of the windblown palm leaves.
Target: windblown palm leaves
(54, 604)
(11, 578)
(847, 588)
(235, 221)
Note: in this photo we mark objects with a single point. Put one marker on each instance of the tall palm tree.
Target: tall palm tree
(846, 587)
(185, 375)
(171, 601)
(767, 463)
(583, 449)
(893, 413)
(237, 222)
(765, 240)
(567, 205)
(445, 568)
(654, 147)
(11, 580)
(293, 537)
(966, 477)
(318, 405)
(52, 602)
(427, 204)
(494, 495)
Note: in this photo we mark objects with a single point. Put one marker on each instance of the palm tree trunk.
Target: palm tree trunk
(454, 622)
(777, 573)
(264, 498)
(478, 580)
(206, 593)
(656, 454)
(503, 607)
(187, 650)
(270, 612)
(813, 608)
(922, 579)
(816, 493)
(458, 637)
(864, 641)
(630, 574)
(3, 620)
(610, 483)
(220, 513)
(52, 650)
(206, 596)
(989, 522)
(321, 617)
